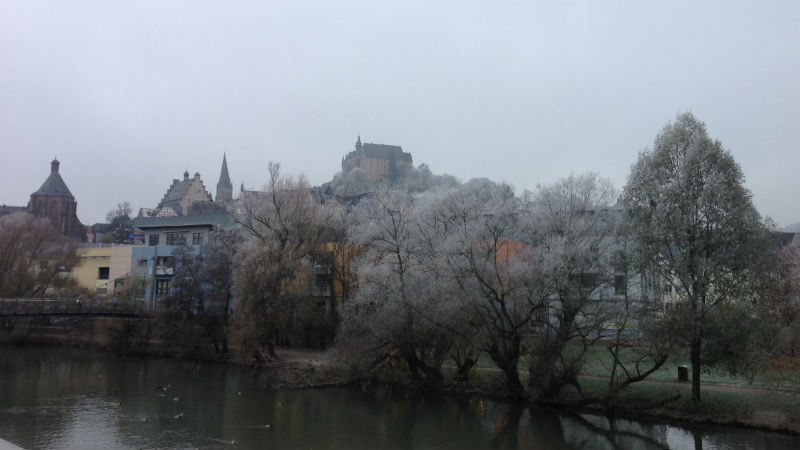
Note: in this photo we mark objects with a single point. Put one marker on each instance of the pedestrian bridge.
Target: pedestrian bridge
(72, 307)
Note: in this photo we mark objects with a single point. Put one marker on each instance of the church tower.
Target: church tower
(224, 186)
(55, 202)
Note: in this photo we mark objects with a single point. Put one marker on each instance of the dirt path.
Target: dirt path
(314, 358)
(720, 387)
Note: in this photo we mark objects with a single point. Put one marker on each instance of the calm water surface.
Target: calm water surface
(53, 398)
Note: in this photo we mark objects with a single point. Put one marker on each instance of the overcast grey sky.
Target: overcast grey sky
(130, 94)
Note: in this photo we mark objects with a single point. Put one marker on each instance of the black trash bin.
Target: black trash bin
(683, 373)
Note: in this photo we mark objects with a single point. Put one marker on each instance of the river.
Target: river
(56, 398)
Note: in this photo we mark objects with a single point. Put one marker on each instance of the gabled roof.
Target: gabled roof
(177, 191)
(54, 185)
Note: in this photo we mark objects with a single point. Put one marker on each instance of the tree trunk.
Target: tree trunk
(506, 356)
(695, 359)
(544, 380)
(464, 368)
(421, 372)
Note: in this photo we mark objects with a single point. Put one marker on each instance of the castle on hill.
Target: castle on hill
(378, 161)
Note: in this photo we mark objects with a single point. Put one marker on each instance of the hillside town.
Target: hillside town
(420, 280)
(284, 224)
(138, 249)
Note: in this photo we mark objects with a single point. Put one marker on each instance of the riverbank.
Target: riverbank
(764, 408)
(59, 397)
(774, 408)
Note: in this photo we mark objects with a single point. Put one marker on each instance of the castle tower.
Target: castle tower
(55, 202)
(224, 186)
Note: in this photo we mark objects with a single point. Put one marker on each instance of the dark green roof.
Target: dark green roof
(182, 221)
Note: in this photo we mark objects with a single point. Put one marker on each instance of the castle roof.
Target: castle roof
(385, 151)
(54, 185)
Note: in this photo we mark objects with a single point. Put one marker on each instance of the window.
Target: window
(162, 287)
(176, 239)
(197, 238)
(102, 273)
(153, 240)
(620, 285)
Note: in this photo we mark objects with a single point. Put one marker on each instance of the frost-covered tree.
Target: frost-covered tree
(497, 281)
(696, 226)
(392, 315)
(574, 237)
(594, 291)
(411, 180)
(283, 227)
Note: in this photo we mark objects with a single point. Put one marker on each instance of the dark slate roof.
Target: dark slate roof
(176, 192)
(101, 227)
(224, 178)
(182, 221)
(54, 185)
(385, 151)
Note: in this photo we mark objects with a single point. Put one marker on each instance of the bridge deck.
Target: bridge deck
(43, 307)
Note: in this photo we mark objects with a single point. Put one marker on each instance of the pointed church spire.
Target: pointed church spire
(224, 178)
(224, 186)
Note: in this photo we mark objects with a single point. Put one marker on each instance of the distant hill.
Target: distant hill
(793, 228)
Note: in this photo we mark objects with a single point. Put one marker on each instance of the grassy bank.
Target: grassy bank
(764, 400)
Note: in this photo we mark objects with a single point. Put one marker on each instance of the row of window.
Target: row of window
(176, 239)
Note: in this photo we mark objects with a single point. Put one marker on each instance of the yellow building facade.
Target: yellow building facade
(101, 266)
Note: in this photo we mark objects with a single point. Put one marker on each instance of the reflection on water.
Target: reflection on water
(54, 398)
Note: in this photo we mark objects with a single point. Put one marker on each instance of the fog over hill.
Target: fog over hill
(129, 95)
(793, 228)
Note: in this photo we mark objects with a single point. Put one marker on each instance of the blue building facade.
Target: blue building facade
(169, 238)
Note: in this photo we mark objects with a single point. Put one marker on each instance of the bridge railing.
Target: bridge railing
(45, 306)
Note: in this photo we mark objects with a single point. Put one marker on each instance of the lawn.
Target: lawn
(764, 399)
